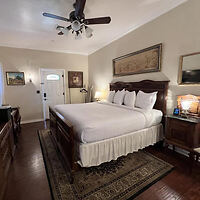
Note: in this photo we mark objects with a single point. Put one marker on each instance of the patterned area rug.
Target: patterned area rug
(124, 178)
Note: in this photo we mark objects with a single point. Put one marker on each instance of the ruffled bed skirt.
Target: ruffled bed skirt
(93, 154)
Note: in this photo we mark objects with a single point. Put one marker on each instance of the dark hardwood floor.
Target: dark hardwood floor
(27, 179)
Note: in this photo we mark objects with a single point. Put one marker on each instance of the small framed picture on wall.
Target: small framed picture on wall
(75, 79)
(15, 78)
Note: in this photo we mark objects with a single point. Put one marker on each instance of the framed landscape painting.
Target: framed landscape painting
(15, 78)
(143, 61)
(75, 79)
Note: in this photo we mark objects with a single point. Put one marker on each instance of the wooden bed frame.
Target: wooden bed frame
(62, 130)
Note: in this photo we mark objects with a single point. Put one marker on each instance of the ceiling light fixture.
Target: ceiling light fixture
(76, 25)
(78, 21)
(76, 28)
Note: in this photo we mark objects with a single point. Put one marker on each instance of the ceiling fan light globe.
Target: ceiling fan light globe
(78, 36)
(65, 31)
(88, 32)
(89, 35)
(57, 27)
(76, 25)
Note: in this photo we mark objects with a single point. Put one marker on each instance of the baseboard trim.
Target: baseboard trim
(31, 121)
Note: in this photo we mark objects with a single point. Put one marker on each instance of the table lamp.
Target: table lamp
(97, 95)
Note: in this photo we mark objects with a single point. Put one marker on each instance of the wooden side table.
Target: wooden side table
(183, 133)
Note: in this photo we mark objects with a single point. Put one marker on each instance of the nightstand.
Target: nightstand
(183, 133)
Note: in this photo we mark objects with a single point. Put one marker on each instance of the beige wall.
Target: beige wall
(178, 30)
(30, 62)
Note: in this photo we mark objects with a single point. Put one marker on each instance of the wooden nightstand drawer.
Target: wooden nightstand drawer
(179, 135)
(182, 132)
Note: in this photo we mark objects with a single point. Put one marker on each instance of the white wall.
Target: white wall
(30, 62)
(178, 30)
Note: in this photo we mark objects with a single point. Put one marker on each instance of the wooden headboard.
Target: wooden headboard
(146, 86)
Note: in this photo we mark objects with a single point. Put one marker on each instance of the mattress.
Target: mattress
(101, 120)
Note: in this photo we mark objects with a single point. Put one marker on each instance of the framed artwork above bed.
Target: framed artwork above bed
(143, 61)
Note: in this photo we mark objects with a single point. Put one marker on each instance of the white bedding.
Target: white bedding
(95, 153)
(99, 121)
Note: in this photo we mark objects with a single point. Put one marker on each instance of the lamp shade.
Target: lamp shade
(189, 103)
(97, 95)
(186, 104)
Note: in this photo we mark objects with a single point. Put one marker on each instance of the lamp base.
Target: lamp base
(184, 115)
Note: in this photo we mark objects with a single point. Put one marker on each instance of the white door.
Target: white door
(53, 92)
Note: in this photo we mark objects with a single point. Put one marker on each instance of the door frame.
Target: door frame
(42, 88)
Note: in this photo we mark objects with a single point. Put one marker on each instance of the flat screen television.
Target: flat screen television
(191, 76)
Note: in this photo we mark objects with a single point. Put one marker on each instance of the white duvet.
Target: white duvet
(99, 121)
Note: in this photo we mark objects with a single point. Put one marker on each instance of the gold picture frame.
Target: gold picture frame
(143, 61)
(15, 78)
(191, 72)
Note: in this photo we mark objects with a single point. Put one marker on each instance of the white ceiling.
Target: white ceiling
(23, 26)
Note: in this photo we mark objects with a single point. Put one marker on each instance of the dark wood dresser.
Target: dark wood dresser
(7, 147)
(16, 122)
(183, 133)
(8, 140)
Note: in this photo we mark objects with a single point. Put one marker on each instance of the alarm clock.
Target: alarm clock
(176, 111)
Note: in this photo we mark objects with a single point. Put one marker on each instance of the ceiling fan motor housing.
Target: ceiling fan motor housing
(72, 16)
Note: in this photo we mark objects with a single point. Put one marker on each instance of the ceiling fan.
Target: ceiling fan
(78, 21)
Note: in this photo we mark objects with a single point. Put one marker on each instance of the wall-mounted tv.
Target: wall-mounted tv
(191, 76)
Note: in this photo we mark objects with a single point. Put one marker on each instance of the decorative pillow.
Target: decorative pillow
(110, 96)
(119, 97)
(146, 100)
(129, 99)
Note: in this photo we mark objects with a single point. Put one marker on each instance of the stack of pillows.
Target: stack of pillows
(142, 100)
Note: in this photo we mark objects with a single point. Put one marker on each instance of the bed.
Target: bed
(90, 134)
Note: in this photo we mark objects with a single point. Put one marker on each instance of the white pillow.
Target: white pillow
(110, 96)
(146, 101)
(129, 99)
(119, 97)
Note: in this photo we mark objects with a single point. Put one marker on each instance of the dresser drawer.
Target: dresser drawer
(7, 128)
(5, 149)
(5, 153)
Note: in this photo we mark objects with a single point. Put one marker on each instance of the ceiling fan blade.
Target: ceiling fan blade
(79, 8)
(100, 20)
(55, 17)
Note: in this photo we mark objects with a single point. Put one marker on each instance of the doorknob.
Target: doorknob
(45, 99)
